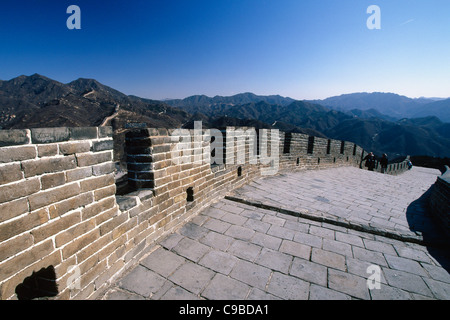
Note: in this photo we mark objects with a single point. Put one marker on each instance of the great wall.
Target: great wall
(63, 221)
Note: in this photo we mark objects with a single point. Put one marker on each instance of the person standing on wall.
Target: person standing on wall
(370, 161)
(384, 163)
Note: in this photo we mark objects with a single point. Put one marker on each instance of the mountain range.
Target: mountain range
(375, 121)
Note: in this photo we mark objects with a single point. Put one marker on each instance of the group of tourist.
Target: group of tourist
(371, 162)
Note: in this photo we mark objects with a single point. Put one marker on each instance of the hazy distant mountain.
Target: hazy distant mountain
(440, 109)
(390, 104)
(365, 126)
(37, 101)
(201, 101)
(422, 136)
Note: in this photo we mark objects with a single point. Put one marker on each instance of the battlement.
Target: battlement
(60, 211)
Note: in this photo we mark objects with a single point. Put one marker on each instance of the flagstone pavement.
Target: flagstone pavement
(332, 234)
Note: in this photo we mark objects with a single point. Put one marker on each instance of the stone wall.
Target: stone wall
(59, 209)
(440, 200)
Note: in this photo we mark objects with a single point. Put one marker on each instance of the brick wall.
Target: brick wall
(58, 202)
(440, 200)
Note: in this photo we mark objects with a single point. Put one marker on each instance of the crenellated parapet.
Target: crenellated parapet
(62, 222)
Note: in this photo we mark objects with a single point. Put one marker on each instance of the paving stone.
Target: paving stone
(322, 232)
(171, 241)
(233, 208)
(117, 294)
(379, 246)
(217, 225)
(370, 256)
(309, 271)
(328, 258)
(337, 247)
(252, 214)
(178, 293)
(142, 281)
(389, 293)
(288, 288)
(274, 220)
(407, 281)
(239, 232)
(257, 294)
(217, 241)
(412, 253)
(274, 260)
(222, 287)
(234, 219)
(219, 261)
(441, 290)
(350, 239)
(257, 225)
(308, 239)
(359, 268)
(266, 241)
(244, 250)
(321, 293)
(192, 277)
(404, 264)
(296, 249)
(163, 262)
(437, 273)
(281, 232)
(191, 249)
(251, 274)
(297, 226)
(348, 283)
(193, 231)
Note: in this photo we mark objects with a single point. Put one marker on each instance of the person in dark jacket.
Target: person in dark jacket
(370, 161)
(384, 163)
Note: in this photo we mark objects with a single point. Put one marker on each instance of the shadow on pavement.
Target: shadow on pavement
(421, 221)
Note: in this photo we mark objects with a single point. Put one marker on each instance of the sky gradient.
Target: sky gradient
(308, 49)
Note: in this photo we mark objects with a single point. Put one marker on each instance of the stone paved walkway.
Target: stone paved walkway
(238, 251)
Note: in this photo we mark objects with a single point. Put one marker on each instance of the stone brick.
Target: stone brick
(80, 243)
(56, 226)
(25, 259)
(105, 132)
(7, 290)
(97, 183)
(52, 180)
(98, 207)
(78, 201)
(14, 137)
(102, 145)
(11, 154)
(20, 189)
(104, 192)
(15, 245)
(89, 159)
(47, 150)
(76, 231)
(49, 135)
(104, 168)
(83, 133)
(112, 223)
(45, 198)
(10, 173)
(74, 147)
(25, 223)
(78, 174)
(48, 165)
(13, 209)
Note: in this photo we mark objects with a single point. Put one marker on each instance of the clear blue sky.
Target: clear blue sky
(173, 49)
